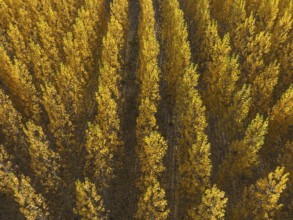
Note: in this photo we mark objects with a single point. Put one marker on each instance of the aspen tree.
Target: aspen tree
(212, 206)
(261, 200)
(243, 154)
(89, 204)
(17, 78)
(44, 161)
(32, 205)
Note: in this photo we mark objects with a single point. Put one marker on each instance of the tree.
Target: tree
(80, 48)
(106, 127)
(175, 44)
(89, 204)
(11, 126)
(59, 123)
(44, 161)
(20, 83)
(193, 148)
(243, 154)
(152, 203)
(151, 146)
(212, 206)
(32, 205)
(148, 71)
(285, 159)
(99, 156)
(281, 116)
(261, 200)
(280, 120)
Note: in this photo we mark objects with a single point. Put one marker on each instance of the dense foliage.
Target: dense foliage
(146, 109)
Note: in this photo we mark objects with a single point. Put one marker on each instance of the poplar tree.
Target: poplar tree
(285, 159)
(281, 116)
(151, 146)
(59, 123)
(261, 200)
(192, 147)
(152, 203)
(212, 206)
(175, 44)
(211, 109)
(89, 204)
(44, 161)
(103, 136)
(32, 205)
(80, 47)
(243, 154)
(280, 121)
(11, 126)
(17, 78)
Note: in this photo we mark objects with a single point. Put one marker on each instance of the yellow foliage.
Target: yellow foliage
(19, 81)
(261, 200)
(175, 43)
(32, 205)
(99, 155)
(212, 206)
(152, 151)
(44, 161)
(243, 154)
(89, 204)
(152, 203)
(281, 116)
(60, 124)
(193, 149)
(151, 147)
